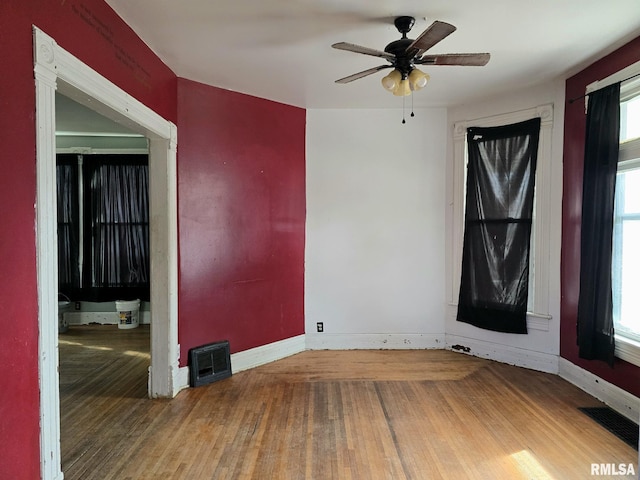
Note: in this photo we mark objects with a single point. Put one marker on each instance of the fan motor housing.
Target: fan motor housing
(398, 47)
(403, 61)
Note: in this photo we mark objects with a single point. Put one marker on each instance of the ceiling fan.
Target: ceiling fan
(405, 53)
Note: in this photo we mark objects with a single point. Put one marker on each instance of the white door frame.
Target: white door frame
(55, 68)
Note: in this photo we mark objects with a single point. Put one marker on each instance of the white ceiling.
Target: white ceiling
(281, 49)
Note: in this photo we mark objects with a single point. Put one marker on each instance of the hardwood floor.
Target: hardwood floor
(409, 414)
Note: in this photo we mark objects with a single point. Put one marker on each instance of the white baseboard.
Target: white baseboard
(255, 357)
(102, 318)
(373, 341)
(181, 380)
(543, 362)
(618, 399)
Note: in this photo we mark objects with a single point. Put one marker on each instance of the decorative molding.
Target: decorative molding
(545, 112)
(55, 68)
(376, 341)
(520, 357)
(81, 82)
(47, 267)
(541, 253)
(618, 399)
(168, 217)
(44, 57)
(459, 129)
(103, 151)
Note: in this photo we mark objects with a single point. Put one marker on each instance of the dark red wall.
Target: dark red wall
(90, 30)
(624, 375)
(241, 198)
(241, 191)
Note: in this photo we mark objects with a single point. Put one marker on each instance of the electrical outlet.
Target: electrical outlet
(320, 326)
(77, 305)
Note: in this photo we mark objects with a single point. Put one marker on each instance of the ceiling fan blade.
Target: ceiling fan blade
(364, 73)
(350, 47)
(432, 35)
(464, 59)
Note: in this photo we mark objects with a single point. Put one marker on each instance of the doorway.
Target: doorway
(57, 70)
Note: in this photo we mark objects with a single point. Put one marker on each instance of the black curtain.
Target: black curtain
(595, 307)
(117, 224)
(498, 218)
(67, 220)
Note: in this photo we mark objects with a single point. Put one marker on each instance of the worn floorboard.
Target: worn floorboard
(409, 414)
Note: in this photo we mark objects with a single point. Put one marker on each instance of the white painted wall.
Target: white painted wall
(541, 346)
(379, 256)
(375, 243)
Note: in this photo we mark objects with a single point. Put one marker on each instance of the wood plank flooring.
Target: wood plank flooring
(409, 414)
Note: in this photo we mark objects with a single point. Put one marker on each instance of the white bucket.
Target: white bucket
(128, 313)
(63, 325)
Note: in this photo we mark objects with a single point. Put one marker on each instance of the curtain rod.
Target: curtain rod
(587, 94)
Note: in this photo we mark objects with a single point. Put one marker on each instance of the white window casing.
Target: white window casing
(538, 316)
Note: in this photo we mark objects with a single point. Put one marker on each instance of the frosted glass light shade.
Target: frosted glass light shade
(390, 82)
(418, 79)
(403, 89)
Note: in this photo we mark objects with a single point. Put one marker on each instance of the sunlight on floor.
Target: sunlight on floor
(92, 347)
(529, 466)
(133, 353)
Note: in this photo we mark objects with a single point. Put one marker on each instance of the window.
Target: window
(546, 221)
(626, 232)
(103, 226)
(625, 265)
(629, 113)
(498, 220)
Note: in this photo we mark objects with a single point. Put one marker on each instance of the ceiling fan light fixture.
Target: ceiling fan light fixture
(390, 82)
(404, 53)
(403, 89)
(418, 79)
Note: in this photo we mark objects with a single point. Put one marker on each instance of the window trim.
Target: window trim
(619, 76)
(540, 264)
(627, 349)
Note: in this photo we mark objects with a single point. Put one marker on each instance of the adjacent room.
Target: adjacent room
(320, 240)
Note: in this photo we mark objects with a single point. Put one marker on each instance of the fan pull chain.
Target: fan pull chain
(403, 108)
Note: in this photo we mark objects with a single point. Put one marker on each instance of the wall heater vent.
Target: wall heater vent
(209, 363)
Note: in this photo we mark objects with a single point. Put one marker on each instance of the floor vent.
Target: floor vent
(616, 423)
(209, 363)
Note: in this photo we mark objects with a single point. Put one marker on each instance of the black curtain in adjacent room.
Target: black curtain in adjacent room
(118, 218)
(498, 219)
(595, 307)
(67, 220)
